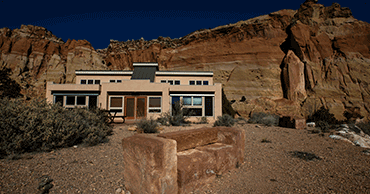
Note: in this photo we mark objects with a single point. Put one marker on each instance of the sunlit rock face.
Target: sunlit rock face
(289, 62)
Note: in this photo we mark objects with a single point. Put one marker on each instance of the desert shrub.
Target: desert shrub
(323, 125)
(39, 126)
(323, 114)
(147, 126)
(365, 127)
(178, 116)
(224, 120)
(264, 118)
(202, 120)
(8, 87)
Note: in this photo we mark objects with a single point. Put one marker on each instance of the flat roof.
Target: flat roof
(145, 64)
(209, 73)
(103, 72)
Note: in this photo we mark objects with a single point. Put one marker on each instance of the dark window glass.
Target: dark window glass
(199, 82)
(205, 82)
(116, 102)
(90, 81)
(112, 81)
(154, 101)
(208, 106)
(83, 81)
(191, 82)
(97, 81)
(170, 81)
(192, 111)
(93, 101)
(59, 99)
(163, 81)
(177, 82)
(81, 100)
(70, 100)
(154, 110)
(175, 99)
(119, 81)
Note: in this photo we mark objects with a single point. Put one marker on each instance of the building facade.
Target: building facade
(144, 92)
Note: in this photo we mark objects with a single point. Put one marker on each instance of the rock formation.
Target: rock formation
(288, 62)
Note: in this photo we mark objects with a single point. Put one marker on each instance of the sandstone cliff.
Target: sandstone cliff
(288, 62)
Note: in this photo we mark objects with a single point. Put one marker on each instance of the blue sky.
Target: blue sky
(100, 21)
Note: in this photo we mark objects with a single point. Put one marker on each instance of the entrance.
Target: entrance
(93, 102)
(135, 107)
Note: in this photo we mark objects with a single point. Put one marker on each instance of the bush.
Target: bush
(39, 126)
(147, 126)
(224, 120)
(323, 114)
(202, 120)
(365, 127)
(178, 116)
(323, 125)
(264, 118)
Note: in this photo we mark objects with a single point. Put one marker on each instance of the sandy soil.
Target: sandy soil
(269, 167)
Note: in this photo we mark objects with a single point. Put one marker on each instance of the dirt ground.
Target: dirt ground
(271, 165)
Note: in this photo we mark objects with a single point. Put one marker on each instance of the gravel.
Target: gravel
(279, 166)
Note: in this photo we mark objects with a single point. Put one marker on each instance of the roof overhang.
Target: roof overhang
(196, 73)
(104, 72)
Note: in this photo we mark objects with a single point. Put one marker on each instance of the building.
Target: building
(144, 92)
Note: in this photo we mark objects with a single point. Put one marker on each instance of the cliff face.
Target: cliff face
(288, 62)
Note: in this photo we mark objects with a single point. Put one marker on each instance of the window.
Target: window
(112, 81)
(177, 82)
(83, 81)
(197, 101)
(155, 104)
(199, 82)
(163, 81)
(170, 81)
(116, 104)
(186, 100)
(90, 81)
(97, 81)
(205, 82)
(191, 82)
(119, 81)
(70, 100)
(81, 100)
(59, 99)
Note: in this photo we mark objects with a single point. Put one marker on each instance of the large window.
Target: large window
(155, 104)
(194, 105)
(116, 103)
(76, 100)
(59, 99)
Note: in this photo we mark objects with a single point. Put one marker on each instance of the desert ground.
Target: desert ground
(274, 163)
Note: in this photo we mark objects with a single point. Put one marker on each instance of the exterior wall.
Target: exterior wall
(127, 85)
(184, 80)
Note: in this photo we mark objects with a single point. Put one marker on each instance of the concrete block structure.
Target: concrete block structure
(144, 92)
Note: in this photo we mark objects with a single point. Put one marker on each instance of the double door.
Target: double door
(135, 107)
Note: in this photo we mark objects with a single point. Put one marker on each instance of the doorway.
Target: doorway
(135, 107)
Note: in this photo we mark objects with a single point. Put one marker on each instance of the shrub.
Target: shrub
(323, 125)
(202, 120)
(147, 126)
(178, 116)
(365, 127)
(224, 120)
(323, 114)
(39, 126)
(264, 118)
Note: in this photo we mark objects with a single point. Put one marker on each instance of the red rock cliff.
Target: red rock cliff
(288, 62)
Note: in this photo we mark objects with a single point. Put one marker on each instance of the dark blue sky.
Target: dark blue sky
(100, 21)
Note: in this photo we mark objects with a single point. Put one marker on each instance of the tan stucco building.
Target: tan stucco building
(144, 92)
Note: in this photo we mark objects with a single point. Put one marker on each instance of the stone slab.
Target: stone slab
(192, 138)
(150, 164)
(226, 156)
(195, 168)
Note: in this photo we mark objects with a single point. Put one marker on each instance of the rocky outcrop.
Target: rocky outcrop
(287, 62)
(36, 56)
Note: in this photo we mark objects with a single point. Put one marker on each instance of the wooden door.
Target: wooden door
(130, 107)
(140, 107)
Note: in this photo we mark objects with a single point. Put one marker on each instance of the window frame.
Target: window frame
(154, 108)
(97, 81)
(117, 108)
(190, 82)
(205, 81)
(83, 80)
(177, 82)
